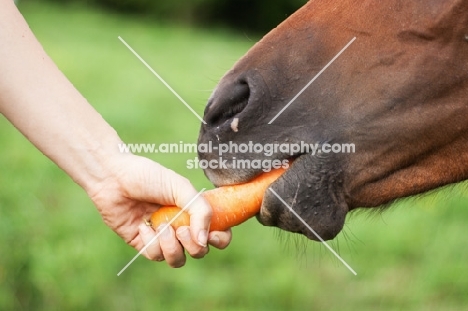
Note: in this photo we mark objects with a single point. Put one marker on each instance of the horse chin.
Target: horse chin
(311, 187)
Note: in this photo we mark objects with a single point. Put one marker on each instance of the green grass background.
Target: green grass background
(56, 254)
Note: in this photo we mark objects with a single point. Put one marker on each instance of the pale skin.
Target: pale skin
(38, 99)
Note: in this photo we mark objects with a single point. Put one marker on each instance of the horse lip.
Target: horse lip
(220, 180)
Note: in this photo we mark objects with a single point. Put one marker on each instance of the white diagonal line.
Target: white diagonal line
(161, 79)
(159, 233)
(313, 231)
(313, 79)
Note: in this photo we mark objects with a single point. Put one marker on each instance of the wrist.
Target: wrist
(101, 166)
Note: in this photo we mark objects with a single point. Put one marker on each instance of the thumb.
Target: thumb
(186, 197)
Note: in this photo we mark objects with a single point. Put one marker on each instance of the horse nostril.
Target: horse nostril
(227, 101)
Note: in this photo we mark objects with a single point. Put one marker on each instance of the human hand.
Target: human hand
(59, 121)
(134, 188)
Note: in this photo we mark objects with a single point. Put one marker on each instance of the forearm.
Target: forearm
(38, 99)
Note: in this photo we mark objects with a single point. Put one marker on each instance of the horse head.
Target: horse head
(398, 93)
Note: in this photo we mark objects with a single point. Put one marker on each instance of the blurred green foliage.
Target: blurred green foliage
(253, 15)
(56, 254)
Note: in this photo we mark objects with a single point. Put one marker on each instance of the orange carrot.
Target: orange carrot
(232, 205)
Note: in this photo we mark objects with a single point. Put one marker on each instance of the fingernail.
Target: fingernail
(163, 231)
(183, 234)
(144, 229)
(214, 239)
(203, 238)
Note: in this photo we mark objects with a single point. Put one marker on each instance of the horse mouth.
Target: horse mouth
(310, 186)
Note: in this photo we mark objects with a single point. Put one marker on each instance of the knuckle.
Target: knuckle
(199, 253)
(221, 240)
(178, 263)
(209, 213)
(223, 244)
(171, 250)
(220, 245)
(153, 257)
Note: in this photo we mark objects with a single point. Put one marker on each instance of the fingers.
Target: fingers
(220, 239)
(169, 245)
(200, 217)
(183, 194)
(199, 210)
(150, 243)
(192, 247)
(165, 187)
(164, 247)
